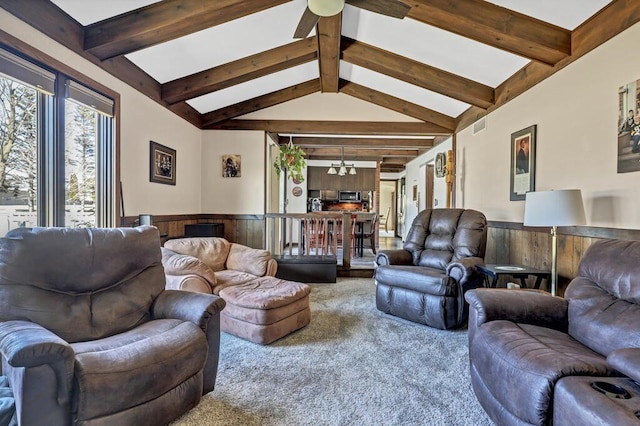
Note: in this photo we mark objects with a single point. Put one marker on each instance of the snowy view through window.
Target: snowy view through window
(19, 129)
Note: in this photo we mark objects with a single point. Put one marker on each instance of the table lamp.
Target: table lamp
(554, 208)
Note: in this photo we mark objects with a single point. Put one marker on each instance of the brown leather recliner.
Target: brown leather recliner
(425, 281)
(534, 357)
(88, 334)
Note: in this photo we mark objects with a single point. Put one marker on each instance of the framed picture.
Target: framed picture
(628, 130)
(523, 162)
(441, 164)
(162, 164)
(231, 165)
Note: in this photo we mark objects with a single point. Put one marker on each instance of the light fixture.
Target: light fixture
(342, 167)
(325, 7)
(554, 208)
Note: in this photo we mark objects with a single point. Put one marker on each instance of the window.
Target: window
(57, 149)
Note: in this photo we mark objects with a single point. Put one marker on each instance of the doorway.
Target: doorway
(429, 196)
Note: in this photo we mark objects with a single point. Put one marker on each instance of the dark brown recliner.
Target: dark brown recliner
(88, 334)
(425, 281)
(534, 357)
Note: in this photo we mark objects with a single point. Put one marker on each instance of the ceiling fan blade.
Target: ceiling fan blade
(306, 24)
(393, 8)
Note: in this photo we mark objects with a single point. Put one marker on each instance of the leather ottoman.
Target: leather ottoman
(265, 309)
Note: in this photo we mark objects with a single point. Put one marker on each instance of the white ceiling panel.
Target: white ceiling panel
(402, 90)
(432, 46)
(257, 87)
(89, 11)
(567, 14)
(220, 44)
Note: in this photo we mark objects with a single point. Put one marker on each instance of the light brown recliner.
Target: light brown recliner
(209, 264)
(259, 307)
(90, 336)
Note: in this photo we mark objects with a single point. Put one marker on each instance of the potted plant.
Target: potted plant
(291, 160)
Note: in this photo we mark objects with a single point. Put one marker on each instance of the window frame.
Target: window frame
(51, 185)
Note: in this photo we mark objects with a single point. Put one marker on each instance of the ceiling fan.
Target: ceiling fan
(324, 8)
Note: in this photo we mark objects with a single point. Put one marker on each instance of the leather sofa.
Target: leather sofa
(534, 358)
(425, 281)
(209, 264)
(90, 336)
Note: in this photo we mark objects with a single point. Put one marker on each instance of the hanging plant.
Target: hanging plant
(291, 159)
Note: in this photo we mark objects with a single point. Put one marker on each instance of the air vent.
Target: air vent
(479, 125)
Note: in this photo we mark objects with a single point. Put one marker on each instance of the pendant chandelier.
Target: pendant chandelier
(340, 169)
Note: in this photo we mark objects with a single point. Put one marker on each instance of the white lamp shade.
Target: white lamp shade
(554, 208)
(326, 7)
(352, 170)
(342, 171)
(332, 171)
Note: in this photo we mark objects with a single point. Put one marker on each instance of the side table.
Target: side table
(493, 271)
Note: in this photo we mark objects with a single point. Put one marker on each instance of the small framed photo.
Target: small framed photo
(162, 164)
(231, 165)
(523, 163)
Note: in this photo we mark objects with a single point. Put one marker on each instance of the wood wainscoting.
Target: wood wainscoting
(242, 229)
(512, 243)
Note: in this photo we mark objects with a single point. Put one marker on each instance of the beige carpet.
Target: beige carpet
(353, 365)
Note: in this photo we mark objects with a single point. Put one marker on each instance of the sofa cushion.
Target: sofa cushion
(522, 362)
(228, 278)
(151, 359)
(247, 259)
(213, 251)
(265, 293)
(417, 278)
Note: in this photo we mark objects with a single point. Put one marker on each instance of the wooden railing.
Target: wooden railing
(311, 234)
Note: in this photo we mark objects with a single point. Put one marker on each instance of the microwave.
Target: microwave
(329, 195)
(349, 196)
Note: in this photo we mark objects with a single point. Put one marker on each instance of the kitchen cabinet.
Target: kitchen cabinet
(364, 180)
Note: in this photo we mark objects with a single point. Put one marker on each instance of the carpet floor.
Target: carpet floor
(352, 365)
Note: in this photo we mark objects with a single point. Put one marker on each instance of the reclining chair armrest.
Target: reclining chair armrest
(190, 282)
(195, 307)
(461, 270)
(520, 306)
(626, 361)
(27, 344)
(182, 265)
(202, 310)
(394, 257)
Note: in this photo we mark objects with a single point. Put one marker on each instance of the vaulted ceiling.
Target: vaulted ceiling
(229, 64)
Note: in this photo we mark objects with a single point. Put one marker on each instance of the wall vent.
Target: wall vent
(479, 125)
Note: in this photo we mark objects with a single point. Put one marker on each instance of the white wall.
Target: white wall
(575, 111)
(416, 175)
(238, 195)
(142, 120)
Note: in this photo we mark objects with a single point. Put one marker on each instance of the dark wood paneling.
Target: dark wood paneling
(242, 229)
(511, 243)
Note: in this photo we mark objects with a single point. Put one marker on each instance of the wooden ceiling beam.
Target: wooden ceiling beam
(334, 127)
(613, 19)
(49, 19)
(240, 71)
(164, 21)
(396, 104)
(361, 152)
(358, 142)
(265, 101)
(496, 26)
(417, 73)
(329, 29)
